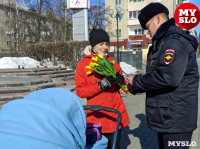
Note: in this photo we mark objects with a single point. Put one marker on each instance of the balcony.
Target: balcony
(133, 22)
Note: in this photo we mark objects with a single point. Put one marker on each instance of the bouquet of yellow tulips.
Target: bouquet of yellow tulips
(102, 65)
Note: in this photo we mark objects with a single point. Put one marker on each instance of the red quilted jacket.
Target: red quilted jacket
(87, 87)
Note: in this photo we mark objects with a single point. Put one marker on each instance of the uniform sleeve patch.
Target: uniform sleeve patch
(169, 56)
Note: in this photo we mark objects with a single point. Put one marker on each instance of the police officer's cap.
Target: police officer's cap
(150, 11)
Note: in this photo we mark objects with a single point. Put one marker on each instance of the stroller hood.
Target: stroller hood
(47, 119)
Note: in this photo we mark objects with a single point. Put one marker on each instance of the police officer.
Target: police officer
(171, 79)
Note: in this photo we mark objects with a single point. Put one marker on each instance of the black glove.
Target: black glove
(106, 82)
(119, 78)
(109, 81)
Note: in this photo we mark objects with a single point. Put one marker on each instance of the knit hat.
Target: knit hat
(98, 36)
(150, 11)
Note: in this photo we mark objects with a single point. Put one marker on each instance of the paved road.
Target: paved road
(137, 135)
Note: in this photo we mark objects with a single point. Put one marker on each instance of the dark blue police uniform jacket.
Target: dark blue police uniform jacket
(171, 81)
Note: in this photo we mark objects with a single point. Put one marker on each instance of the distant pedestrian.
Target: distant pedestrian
(171, 79)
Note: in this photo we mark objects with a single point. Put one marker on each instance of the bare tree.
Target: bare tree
(65, 17)
(38, 9)
(96, 16)
(46, 21)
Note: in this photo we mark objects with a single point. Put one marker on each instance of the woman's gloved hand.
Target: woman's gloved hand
(106, 82)
(119, 78)
(109, 81)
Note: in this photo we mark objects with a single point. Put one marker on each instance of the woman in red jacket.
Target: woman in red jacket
(101, 90)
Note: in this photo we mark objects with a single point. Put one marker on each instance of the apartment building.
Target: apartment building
(129, 28)
(6, 33)
(21, 25)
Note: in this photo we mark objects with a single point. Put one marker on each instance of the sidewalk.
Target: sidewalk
(137, 135)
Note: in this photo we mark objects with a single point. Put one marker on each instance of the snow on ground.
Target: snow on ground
(23, 62)
(14, 62)
(27, 62)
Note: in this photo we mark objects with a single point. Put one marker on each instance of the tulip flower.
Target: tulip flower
(102, 65)
(89, 72)
(94, 59)
(100, 56)
(88, 67)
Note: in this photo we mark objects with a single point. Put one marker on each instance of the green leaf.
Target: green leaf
(113, 61)
(105, 67)
(108, 65)
(96, 70)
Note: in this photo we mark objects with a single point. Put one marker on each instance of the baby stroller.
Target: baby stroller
(96, 108)
(52, 118)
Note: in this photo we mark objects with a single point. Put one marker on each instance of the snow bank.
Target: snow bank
(14, 62)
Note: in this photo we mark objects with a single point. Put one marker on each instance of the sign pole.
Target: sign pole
(79, 19)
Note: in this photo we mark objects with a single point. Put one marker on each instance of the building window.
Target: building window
(15, 36)
(8, 43)
(119, 32)
(137, 49)
(31, 27)
(117, 2)
(139, 31)
(136, 32)
(134, 14)
(7, 23)
(46, 32)
(8, 33)
(30, 39)
(44, 22)
(130, 15)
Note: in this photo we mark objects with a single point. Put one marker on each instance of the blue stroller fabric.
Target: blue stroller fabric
(51, 118)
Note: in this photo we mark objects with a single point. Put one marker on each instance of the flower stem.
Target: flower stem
(123, 87)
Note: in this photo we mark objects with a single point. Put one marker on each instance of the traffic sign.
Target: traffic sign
(128, 45)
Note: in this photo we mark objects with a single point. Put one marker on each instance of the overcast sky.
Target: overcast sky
(197, 3)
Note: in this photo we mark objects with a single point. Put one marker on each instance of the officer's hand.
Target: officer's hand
(130, 79)
(130, 88)
(123, 91)
(106, 82)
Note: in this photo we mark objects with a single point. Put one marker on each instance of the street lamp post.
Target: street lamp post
(118, 15)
